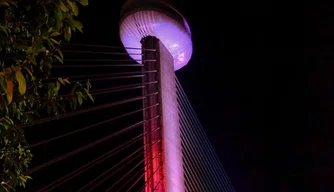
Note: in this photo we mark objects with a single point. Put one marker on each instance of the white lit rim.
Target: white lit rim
(174, 36)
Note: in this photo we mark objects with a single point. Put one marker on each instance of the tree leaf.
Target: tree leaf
(80, 96)
(22, 46)
(74, 7)
(78, 25)
(21, 80)
(33, 43)
(32, 59)
(10, 88)
(83, 2)
(67, 33)
(89, 95)
(54, 41)
(80, 100)
(4, 3)
(57, 87)
(67, 81)
(13, 3)
(89, 85)
(60, 53)
(55, 34)
(2, 85)
(58, 58)
(61, 80)
(38, 44)
(29, 50)
(9, 120)
(59, 19)
(28, 70)
(62, 6)
(50, 30)
(4, 29)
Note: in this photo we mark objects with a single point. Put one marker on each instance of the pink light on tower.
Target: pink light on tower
(142, 18)
(156, 24)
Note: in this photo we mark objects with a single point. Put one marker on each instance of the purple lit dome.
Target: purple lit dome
(142, 18)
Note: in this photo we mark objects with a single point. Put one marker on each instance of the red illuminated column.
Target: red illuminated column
(163, 155)
(154, 161)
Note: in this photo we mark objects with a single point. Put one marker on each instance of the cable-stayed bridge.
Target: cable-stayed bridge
(141, 133)
(100, 146)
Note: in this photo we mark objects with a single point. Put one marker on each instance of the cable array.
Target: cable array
(203, 170)
(98, 147)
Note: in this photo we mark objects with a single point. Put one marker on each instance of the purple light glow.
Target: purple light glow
(174, 36)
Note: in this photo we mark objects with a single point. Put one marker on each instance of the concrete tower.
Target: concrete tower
(165, 38)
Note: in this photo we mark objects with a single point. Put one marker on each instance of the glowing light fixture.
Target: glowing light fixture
(142, 18)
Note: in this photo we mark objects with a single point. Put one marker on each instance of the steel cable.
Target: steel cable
(78, 112)
(89, 127)
(92, 144)
(90, 164)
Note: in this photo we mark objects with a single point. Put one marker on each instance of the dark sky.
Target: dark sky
(268, 114)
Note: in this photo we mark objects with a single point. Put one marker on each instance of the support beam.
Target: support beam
(167, 165)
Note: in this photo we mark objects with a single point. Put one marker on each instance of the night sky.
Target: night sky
(268, 114)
